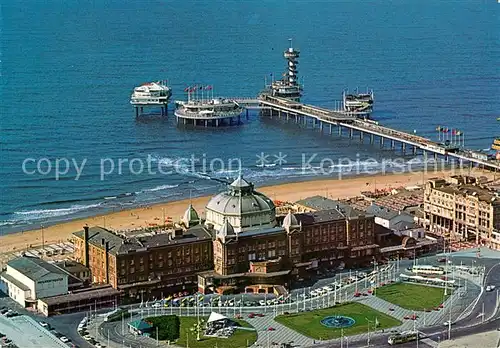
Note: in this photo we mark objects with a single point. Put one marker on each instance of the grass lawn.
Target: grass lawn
(239, 339)
(412, 296)
(309, 323)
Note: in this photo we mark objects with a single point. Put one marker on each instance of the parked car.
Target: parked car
(44, 324)
(64, 339)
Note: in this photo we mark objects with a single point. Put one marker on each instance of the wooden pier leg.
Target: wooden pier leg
(361, 136)
(206, 123)
(351, 133)
(330, 128)
(321, 126)
(415, 150)
(279, 113)
(403, 148)
(392, 144)
(296, 118)
(371, 138)
(142, 110)
(287, 116)
(340, 130)
(217, 123)
(381, 141)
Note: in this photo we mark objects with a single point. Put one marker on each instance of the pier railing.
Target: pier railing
(351, 121)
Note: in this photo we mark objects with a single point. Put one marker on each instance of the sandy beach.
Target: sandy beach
(142, 217)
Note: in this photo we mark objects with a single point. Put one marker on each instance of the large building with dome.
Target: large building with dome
(239, 245)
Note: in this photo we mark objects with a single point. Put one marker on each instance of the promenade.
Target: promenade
(116, 334)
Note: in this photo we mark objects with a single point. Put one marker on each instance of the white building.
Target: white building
(30, 278)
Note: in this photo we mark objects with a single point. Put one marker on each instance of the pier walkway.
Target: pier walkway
(281, 107)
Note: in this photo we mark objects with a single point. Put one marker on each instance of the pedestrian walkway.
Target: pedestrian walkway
(280, 334)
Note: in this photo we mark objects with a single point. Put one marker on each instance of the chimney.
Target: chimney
(86, 246)
(106, 263)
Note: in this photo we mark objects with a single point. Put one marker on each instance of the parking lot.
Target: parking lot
(15, 326)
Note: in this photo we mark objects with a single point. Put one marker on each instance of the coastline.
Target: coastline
(140, 217)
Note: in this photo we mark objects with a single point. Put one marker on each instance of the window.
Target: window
(271, 253)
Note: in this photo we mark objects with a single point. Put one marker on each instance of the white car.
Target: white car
(64, 339)
(447, 323)
(328, 288)
(88, 337)
(43, 324)
(98, 345)
(262, 302)
(490, 288)
(156, 305)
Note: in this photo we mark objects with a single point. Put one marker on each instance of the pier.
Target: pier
(282, 99)
(326, 119)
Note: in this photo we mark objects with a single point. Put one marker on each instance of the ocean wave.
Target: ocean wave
(158, 188)
(51, 213)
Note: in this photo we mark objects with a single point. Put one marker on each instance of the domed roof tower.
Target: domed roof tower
(190, 217)
(290, 222)
(242, 206)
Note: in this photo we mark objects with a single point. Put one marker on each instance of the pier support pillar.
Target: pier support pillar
(206, 123)
(216, 123)
(350, 133)
(392, 144)
(185, 121)
(330, 128)
(371, 138)
(381, 141)
(415, 149)
(340, 130)
(296, 118)
(246, 113)
(361, 136)
(287, 116)
(136, 112)
(279, 114)
(142, 109)
(321, 126)
(403, 148)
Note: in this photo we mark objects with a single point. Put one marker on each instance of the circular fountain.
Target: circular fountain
(337, 321)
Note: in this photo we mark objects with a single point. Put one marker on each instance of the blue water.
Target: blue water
(68, 67)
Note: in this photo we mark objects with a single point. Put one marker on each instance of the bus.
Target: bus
(427, 269)
(402, 337)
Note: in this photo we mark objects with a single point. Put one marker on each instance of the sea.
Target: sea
(71, 146)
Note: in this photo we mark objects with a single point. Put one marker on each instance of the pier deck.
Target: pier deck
(322, 116)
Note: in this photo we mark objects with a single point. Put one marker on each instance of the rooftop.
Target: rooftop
(319, 216)
(84, 294)
(466, 186)
(33, 267)
(14, 281)
(319, 203)
(121, 244)
(27, 333)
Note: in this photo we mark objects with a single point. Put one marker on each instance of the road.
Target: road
(471, 324)
(67, 323)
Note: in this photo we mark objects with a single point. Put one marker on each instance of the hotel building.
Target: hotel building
(461, 209)
(241, 246)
